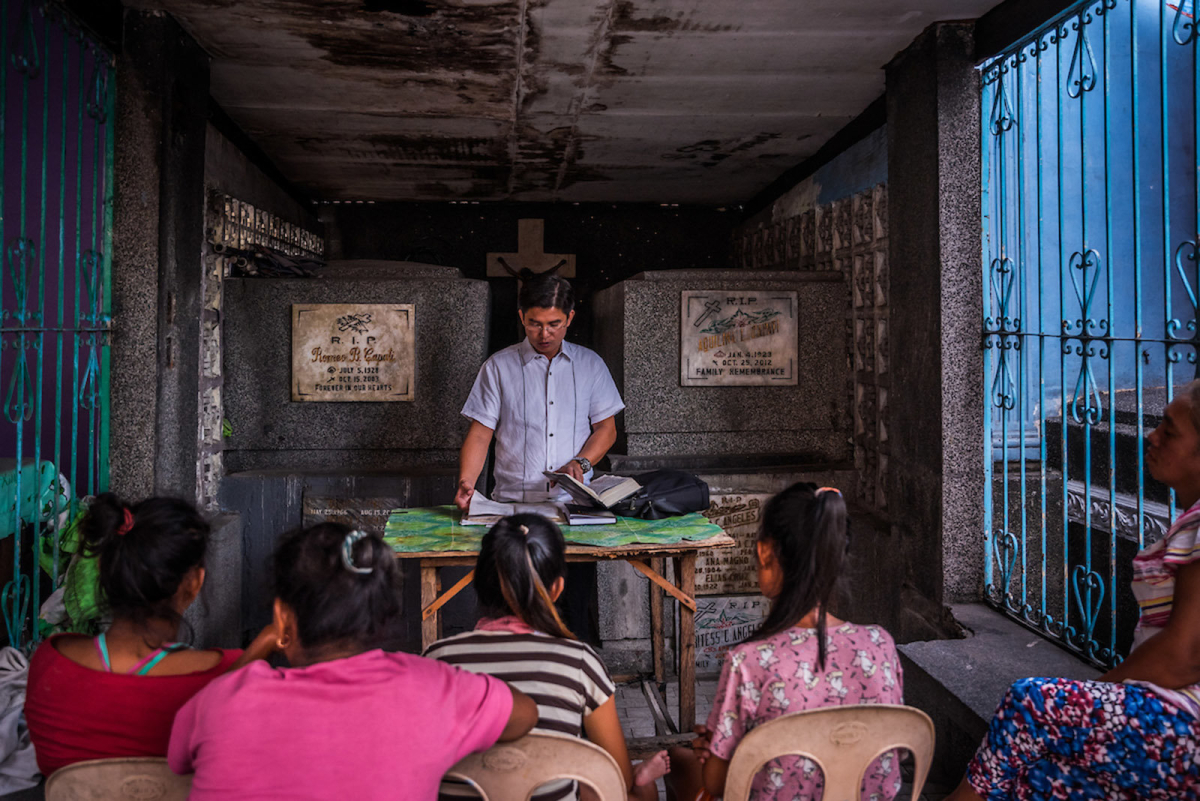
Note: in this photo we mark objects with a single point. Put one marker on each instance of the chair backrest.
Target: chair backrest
(512, 771)
(121, 779)
(842, 740)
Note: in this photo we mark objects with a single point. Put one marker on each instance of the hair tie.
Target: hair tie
(823, 490)
(525, 531)
(348, 552)
(127, 524)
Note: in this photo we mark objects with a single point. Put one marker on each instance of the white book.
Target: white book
(605, 491)
(483, 511)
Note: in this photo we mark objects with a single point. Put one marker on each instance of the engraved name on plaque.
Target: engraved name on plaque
(738, 338)
(353, 352)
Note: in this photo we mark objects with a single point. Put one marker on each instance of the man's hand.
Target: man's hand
(572, 469)
(462, 497)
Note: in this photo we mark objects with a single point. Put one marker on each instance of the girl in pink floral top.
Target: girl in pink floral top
(802, 657)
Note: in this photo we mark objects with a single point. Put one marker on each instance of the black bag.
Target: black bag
(664, 493)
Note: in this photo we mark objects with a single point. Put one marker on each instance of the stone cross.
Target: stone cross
(530, 258)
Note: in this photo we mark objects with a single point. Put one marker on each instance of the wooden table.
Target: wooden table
(648, 558)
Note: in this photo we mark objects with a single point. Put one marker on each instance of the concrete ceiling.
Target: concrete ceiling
(670, 101)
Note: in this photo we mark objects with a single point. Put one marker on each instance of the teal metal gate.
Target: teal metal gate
(56, 112)
(1091, 204)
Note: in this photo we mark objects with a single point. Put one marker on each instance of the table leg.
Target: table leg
(430, 589)
(685, 566)
(657, 647)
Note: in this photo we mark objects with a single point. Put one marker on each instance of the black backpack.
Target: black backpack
(665, 493)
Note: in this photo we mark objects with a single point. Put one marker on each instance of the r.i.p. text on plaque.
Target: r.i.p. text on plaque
(353, 352)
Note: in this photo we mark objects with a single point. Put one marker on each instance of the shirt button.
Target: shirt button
(551, 403)
(552, 433)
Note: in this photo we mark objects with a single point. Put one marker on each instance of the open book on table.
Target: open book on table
(604, 492)
(486, 512)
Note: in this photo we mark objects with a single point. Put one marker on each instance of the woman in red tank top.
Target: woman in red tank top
(116, 695)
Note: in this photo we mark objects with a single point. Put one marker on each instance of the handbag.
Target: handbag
(665, 493)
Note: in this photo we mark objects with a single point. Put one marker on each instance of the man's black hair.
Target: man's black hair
(547, 292)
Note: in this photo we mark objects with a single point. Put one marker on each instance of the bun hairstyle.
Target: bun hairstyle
(521, 556)
(342, 585)
(145, 550)
(547, 292)
(807, 528)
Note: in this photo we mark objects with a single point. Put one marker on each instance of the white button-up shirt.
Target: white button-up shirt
(542, 412)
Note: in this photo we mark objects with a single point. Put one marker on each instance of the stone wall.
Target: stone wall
(639, 334)
(270, 431)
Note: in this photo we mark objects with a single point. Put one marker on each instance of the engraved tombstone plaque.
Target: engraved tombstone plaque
(732, 570)
(738, 338)
(353, 352)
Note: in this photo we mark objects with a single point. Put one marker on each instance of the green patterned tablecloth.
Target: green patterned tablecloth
(437, 529)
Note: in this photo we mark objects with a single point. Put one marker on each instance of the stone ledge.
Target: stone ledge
(958, 683)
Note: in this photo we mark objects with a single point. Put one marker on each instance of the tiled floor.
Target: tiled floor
(638, 721)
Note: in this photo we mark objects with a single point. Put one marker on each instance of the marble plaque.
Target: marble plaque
(738, 338)
(353, 352)
(731, 570)
(368, 514)
(722, 623)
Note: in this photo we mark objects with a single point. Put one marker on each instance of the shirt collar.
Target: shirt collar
(528, 353)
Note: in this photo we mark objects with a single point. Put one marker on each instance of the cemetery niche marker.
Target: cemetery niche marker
(353, 352)
(738, 338)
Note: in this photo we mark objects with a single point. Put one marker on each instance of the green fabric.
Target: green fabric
(437, 529)
(39, 487)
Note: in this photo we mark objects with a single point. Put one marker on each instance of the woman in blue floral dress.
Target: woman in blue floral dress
(1134, 733)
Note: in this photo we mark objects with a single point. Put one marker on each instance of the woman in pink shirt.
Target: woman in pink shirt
(347, 719)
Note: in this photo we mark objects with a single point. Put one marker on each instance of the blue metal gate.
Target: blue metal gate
(1091, 208)
(56, 104)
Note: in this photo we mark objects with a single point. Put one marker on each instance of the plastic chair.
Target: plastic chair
(842, 740)
(512, 771)
(121, 779)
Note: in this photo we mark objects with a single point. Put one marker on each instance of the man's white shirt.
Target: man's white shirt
(542, 412)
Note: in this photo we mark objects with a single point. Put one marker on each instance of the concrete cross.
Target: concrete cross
(530, 260)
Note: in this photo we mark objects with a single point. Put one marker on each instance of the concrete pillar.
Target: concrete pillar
(162, 109)
(937, 402)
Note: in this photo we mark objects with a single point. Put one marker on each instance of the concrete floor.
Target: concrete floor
(638, 721)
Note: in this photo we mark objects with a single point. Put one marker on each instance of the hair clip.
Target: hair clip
(127, 524)
(823, 490)
(525, 531)
(348, 552)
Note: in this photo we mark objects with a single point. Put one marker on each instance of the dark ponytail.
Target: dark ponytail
(521, 556)
(807, 529)
(145, 550)
(343, 587)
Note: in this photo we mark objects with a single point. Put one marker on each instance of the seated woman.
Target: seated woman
(1135, 731)
(801, 657)
(116, 695)
(521, 639)
(346, 719)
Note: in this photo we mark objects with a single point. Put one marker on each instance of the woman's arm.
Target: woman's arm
(1171, 658)
(603, 727)
(523, 717)
(263, 646)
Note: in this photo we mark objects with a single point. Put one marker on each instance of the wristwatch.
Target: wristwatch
(584, 464)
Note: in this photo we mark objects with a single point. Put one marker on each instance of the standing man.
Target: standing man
(550, 404)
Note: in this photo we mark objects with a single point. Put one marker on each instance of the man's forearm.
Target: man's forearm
(604, 434)
(473, 453)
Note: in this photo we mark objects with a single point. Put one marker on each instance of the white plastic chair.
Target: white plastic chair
(513, 771)
(842, 740)
(120, 779)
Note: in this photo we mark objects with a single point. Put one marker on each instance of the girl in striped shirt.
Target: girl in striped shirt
(522, 640)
